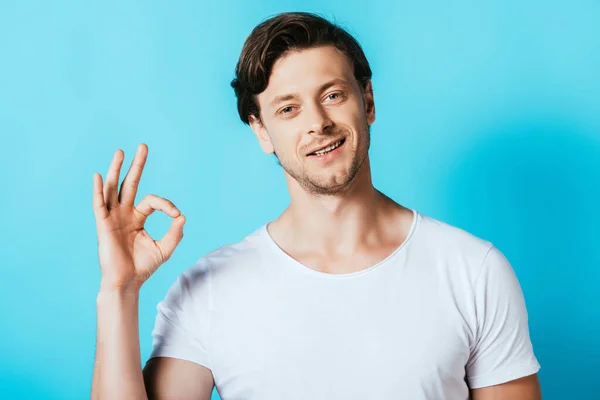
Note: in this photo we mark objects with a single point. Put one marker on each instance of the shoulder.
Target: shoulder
(452, 251)
(449, 239)
(227, 259)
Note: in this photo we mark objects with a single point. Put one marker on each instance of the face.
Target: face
(316, 119)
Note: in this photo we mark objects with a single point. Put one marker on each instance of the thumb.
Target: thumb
(169, 242)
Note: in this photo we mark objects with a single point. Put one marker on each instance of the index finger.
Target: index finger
(131, 182)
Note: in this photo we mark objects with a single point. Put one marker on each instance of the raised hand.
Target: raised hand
(128, 255)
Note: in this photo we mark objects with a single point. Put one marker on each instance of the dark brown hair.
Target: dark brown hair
(278, 35)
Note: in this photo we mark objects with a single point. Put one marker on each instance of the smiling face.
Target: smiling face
(312, 101)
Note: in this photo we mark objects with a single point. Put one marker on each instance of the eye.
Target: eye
(335, 96)
(286, 110)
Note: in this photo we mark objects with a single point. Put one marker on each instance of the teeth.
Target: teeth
(328, 148)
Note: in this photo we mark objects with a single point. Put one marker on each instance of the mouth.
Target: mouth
(327, 149)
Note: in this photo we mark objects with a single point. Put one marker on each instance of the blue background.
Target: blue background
(488, 118)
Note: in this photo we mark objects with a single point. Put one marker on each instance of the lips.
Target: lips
(312, 153)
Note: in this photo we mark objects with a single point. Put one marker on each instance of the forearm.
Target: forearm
(117, 367)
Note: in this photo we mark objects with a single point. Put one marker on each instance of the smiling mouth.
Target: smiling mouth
(329, 148)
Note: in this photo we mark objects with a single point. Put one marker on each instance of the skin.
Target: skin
(334, 212)
(128, 255)
(526, 388)
(352, 225)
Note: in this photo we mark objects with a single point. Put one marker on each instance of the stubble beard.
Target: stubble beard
(318, 186)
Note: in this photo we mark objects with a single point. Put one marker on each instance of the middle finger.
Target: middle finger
(130, 184)
(112, 180)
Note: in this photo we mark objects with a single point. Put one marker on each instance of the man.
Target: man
(346, 295)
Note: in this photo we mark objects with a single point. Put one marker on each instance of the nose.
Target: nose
(319, 121)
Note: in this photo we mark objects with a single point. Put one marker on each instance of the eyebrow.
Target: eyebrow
(325, 86)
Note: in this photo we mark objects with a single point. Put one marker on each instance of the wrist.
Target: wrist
(123, 300)
(122, 288)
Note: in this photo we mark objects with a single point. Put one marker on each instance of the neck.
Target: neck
(341, 223)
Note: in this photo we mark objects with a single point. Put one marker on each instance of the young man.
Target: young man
(346, 295)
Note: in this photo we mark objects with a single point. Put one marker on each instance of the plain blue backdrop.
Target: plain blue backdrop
(488, 118)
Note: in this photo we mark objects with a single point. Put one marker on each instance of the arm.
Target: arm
(502, 359)
(128, 257)
(179, 365)
(172, 378)
(117, 370)
(526, 388)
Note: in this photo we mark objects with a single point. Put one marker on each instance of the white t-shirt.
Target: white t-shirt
(444, 312)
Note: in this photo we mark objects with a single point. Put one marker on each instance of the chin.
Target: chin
(330, 183)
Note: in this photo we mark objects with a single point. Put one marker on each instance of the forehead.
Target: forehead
(307, 69)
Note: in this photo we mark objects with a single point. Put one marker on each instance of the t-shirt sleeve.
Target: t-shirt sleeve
(182, 324)
(502, 350)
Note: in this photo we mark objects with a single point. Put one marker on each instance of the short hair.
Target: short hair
(278, 35)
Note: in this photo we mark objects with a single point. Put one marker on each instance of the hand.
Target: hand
(128, 254)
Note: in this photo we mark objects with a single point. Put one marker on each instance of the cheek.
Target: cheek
(286, 141)
(349, 115)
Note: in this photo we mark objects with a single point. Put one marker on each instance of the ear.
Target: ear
(261, 134)
(369, 102)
